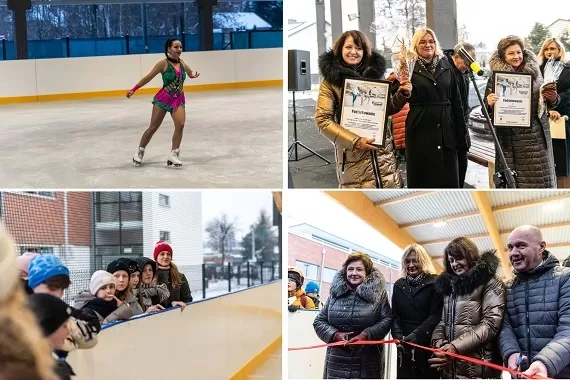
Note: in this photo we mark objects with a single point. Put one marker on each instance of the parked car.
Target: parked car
(477, 123)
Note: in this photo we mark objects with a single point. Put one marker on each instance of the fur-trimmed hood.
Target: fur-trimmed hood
(370, 290)
(530, 63)
(482, 271)
(335, 72)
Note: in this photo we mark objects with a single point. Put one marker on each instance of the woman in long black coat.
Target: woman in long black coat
(416, 308)
(435, 126)
(357, 309)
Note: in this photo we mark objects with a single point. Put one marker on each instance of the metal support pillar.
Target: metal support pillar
(206, 23)
(321, 27)
(19, 9)
(336, 19)
(441, 17)
(366, 14)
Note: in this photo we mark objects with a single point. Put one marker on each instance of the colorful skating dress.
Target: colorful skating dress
(171, 95)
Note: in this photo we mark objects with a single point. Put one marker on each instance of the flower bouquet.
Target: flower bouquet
(403, 60)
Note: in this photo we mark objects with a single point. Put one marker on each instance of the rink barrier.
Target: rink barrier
(112, 76)
(208, 337)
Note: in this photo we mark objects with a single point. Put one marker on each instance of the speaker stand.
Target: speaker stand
(293, 147)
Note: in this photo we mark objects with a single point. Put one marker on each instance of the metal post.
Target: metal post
(261, 271)
(203, 281)
(272, 270)
(144, 28)
(323, 253)
(238, 274)
(336, 18)
(4, 49)
(229, 277)
(68, 46)
(19, 9)
(321, 30)
(248, 274)
(65, 225)
(128, 44)
(206, 23)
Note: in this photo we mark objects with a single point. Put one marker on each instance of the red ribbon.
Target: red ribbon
(434, 350)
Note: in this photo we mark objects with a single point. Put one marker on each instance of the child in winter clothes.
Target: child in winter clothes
(48, 275)
(150, 294)
(100, 299)
(296, 280)
(312, 291)
(52, 315)
(122, 274)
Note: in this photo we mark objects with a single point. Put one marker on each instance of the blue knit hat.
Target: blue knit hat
(312, 287)
(43, 268)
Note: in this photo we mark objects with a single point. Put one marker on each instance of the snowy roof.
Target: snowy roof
(239, 20)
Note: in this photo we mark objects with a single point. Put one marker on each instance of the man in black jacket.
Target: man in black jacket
(535, 336)
(462, 76)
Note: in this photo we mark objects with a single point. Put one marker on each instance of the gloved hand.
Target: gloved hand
(294, 308)
(361, 336)
(549, 93)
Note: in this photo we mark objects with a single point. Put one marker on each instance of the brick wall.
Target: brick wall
(309, 251)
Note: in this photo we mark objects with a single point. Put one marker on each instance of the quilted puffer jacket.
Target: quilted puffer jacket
(364, 310)
(399, 122)
(528, 151)
(473, 309)
(537, 318)
(354, 166)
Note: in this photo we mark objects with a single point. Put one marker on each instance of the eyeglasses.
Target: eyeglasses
(422, 43)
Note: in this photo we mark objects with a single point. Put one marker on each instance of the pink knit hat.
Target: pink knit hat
(24, 262)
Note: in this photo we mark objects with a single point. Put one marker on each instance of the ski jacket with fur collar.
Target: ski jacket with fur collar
(528, 151)
(473, 309)
(354, 166)
(365, 309)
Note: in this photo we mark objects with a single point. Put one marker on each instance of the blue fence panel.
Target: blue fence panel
(89, 47)
(265, 40)
(47, 49)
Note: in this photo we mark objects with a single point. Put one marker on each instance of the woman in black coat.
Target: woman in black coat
(553, 48)
(435, 126)
(416, 308)
(357, 309)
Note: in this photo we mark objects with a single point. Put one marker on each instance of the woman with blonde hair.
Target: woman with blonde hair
(528, 151)
(169, 274)
(473, 308)
(357, 309)
(416, 307)
(353, 57)
(435, 125)
(24, 352)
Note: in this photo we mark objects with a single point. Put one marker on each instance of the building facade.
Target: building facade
(320, 255)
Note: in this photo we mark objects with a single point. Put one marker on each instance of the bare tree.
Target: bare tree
(221, 235)
(462, 34)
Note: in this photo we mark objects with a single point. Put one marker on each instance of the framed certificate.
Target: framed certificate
(513, 106)
(364, 106)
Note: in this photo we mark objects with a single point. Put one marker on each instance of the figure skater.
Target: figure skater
(169, 99)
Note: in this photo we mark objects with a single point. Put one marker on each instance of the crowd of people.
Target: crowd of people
(522, 324)
(430, 114)
(38, 329)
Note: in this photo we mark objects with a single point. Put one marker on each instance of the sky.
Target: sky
(321, 211)
(243, 205)
(486, 20)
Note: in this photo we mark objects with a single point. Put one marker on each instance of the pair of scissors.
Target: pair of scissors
(521, 361)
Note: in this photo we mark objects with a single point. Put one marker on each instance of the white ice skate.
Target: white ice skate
(174, 160)
(137, 158)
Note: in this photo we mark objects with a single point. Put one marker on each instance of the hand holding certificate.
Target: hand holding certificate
(364, 109)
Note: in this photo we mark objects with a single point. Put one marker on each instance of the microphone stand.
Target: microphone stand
(505, 178)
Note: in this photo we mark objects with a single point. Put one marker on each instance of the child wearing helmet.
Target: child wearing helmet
(312, 291)
(301, 301)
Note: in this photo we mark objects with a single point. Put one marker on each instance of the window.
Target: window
(330, 243)
(311, 271)
(328, 274)
(165, 236)
(163, 200)
(39, 194)
(40, 250)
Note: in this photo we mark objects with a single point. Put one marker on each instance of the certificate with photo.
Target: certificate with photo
(364, 108)
(513, 106)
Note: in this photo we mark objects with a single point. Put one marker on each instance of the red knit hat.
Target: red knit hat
(161, 246)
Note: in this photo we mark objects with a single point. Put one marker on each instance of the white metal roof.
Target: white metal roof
(434, 218)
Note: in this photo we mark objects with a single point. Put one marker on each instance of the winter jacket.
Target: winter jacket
(354, 166)
(181, 293)
(123, 312)
(83, 328)
(364, 310)
(416, 312)
(537, 319)
(463, 87)
(300, 293)
(151, 294)
(473, 309)
(435, 128)
(399, 122)
(528, 151)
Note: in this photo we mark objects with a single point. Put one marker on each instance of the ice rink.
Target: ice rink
(232, 139)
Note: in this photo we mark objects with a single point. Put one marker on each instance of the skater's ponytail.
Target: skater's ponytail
(168, 45)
